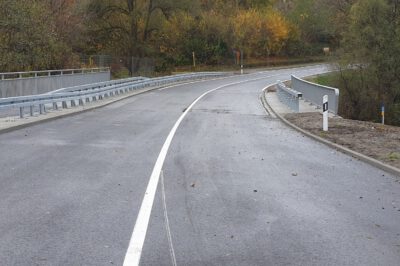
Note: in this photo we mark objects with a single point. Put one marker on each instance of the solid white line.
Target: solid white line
(251, 74)
(134, 252)
(191, 82)
(167, 227)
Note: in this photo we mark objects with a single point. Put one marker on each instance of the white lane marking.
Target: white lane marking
(167, 227)
(251, 74)
(191, 82)
(134, 252)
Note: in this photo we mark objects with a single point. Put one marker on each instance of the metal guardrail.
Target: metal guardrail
(289, 97)
(48, 73)
(89, 93)
(314, 93)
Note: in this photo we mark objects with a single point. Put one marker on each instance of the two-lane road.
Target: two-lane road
(237, 186)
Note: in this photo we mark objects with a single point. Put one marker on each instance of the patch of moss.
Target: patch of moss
(393, 156)
(322, 134)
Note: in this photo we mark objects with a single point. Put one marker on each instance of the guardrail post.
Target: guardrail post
(21, 112)
(55, 106)
(81, 103)
(64, 105)
(31, 110)
(73, 103)
(288, 96)
(41, 108)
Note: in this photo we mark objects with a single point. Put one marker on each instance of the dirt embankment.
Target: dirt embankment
(372, 139)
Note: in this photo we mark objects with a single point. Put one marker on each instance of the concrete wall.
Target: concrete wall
(43, 84)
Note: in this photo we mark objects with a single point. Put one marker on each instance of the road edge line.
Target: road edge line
(378, 164)
(136, 243)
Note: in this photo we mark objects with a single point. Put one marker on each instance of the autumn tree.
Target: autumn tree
(126, 27)
(260, 32)
(29, 38)
(68, 18)
(205, 35)
(312, 18)
(372, 47)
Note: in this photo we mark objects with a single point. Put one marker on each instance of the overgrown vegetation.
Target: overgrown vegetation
(369, 69)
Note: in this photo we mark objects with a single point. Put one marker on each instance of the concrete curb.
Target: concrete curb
(378, 164)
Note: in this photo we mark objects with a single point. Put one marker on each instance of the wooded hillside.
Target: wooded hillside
(48, 34)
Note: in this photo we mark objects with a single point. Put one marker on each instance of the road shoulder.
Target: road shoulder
(287, 118)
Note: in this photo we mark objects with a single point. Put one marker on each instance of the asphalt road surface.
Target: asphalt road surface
(237, 187)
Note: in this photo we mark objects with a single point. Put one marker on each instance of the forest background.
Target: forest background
(134, 37)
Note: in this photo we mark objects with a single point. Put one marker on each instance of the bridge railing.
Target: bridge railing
(15, 84)
(92, 93)
(314, 93)
(49, 73)
(288, 96)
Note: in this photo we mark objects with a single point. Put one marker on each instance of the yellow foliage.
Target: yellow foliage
(260, 32)
(174, 31)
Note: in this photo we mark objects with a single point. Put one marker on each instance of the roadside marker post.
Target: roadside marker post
(241, 62)
(325, 113)
(383, 114)
(194, 59)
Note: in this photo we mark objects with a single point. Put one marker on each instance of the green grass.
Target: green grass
(329, 79)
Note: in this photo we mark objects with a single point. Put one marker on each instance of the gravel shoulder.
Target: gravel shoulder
(374, 140)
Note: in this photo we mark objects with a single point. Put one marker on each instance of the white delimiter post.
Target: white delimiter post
(325, 113)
